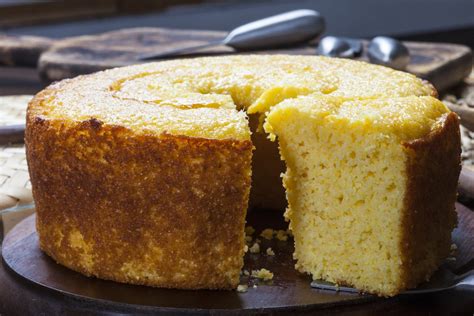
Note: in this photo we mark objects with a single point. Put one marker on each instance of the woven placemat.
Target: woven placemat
(13, 109)
(15, 186)
(463, 97)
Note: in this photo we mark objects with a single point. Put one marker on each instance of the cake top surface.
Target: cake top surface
(204, 97)
(407, 118)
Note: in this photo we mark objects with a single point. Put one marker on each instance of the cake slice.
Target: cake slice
(363, 177)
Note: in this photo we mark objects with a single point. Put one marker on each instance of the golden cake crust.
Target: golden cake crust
(135, 227)
(433, 169)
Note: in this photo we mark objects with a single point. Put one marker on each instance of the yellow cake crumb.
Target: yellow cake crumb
(267, 233)
(242, 288)
(246, 248)
(270, 251)
(248, 239)
(255, 248)
(454, 250)
(263, 274)
(249, 230)
(281, 235)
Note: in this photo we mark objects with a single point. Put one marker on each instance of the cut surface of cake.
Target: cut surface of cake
(142, 174)
(371, 186)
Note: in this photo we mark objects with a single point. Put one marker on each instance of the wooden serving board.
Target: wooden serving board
(442, 64)
(289, 292)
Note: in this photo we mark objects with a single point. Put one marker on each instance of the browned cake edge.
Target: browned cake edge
(434, 92)
(433, 167)
(173, 207)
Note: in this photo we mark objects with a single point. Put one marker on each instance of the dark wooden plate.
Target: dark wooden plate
(289, 291)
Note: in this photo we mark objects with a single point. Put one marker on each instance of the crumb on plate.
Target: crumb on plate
(263, 274)
(242, 288)
(267, 233)
(255, 248)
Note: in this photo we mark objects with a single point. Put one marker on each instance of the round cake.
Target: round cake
(144, 174)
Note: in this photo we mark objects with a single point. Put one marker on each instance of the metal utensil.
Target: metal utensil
(287, 29)
(389, 52)
(442, 280)
(333, 46)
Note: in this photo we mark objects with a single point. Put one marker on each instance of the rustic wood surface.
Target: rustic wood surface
(442, 64)
(289, 292)
(22, 50)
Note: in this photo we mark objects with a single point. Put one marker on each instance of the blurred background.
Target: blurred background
(415, 20)
(430, 20)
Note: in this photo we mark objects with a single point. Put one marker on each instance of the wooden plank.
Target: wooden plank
(87, 54)
(442, 64)
(22, 50)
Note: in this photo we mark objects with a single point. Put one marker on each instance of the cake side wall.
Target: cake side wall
(164, 211)
(433, 168)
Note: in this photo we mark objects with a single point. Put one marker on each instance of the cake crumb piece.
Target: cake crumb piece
(249, 230)
(255, 286)
(281, 235)
(454, 249)
(263, 274)
(242, 288)
(248, 239)
(255, 248)
(267, 233)
(270, 251)
(246, 248)
(246, 272)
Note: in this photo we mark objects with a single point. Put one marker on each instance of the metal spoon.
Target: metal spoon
(333, 46)
(389, 52)
(287, 29)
